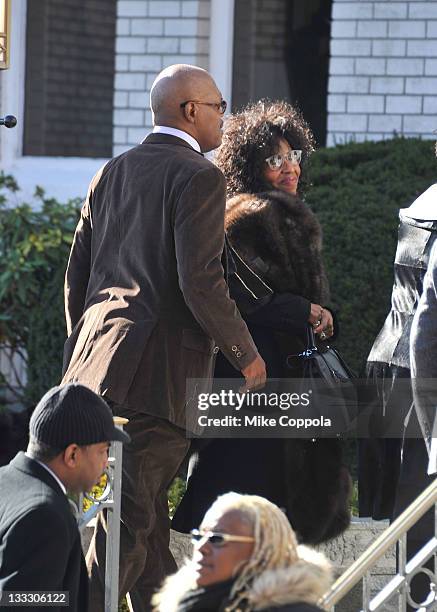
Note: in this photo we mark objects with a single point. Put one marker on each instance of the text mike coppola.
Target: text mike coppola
(283, 408)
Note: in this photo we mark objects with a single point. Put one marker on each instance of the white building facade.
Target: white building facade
(383, 70)
(359, 71)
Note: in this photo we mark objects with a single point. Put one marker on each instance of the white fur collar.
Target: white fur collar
(305, 582)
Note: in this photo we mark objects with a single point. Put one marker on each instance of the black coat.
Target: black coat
(40, 547)
(305, 477)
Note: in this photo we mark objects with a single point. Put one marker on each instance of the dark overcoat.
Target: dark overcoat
(145, 292)
(40, 547)
(279, 237)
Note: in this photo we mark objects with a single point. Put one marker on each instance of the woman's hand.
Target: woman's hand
(324, 324)
(315, 314)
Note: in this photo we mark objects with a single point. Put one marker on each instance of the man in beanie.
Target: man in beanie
(40, 548)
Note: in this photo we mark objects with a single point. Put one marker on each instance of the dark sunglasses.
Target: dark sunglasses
(217, 539)
(219, 106)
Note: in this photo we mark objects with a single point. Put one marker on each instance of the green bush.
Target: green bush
(357, 191)
(34, 246)
(175, 494)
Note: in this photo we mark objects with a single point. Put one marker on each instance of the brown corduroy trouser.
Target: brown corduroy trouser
(150, 462)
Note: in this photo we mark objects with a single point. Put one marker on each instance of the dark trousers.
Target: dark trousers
(150, 462)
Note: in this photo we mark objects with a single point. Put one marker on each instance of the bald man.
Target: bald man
(147, 307)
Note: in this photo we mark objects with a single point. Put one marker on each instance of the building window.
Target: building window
(69, 77)
(281, 51)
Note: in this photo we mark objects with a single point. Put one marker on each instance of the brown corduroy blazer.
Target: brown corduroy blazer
(146, 298)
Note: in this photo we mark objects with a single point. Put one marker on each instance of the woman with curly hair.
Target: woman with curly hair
(263, 155)
(245, 558)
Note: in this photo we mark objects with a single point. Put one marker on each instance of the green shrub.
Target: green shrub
(34, 246)
(357, 191)
(175, 494)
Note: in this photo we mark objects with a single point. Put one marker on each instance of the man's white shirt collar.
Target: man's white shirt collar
(163, 129)
(51, 472)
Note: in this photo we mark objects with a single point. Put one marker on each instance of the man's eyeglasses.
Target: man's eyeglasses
(219, 106)
(275, 162)
(217, 539)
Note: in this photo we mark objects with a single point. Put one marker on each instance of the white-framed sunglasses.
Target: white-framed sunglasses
(217, 539)
(275, 162)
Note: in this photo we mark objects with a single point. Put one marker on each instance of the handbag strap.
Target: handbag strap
(311, 347)
(311, 340)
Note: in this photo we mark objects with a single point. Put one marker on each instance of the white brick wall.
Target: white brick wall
(383, 70)
(152, 34)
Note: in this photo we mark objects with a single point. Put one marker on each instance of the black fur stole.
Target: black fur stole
(280, 238)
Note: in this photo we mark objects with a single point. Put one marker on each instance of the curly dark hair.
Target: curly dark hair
(253, 134)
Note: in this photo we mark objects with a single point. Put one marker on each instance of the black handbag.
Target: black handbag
(331, 385)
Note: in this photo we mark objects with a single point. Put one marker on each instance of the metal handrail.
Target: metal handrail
(113, 526)
(397, 529)
(110, 501)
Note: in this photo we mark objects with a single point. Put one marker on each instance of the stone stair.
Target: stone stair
(347, 548)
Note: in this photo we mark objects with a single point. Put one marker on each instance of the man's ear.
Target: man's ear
(190, 112)
(70, 455)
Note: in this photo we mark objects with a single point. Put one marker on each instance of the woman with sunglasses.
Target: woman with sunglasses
(246, 558)
(263, 155)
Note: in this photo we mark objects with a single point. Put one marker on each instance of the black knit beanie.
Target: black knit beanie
(73, 414)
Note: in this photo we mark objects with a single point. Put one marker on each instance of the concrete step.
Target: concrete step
(347, 548)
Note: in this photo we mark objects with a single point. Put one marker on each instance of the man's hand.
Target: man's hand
(255, 375)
